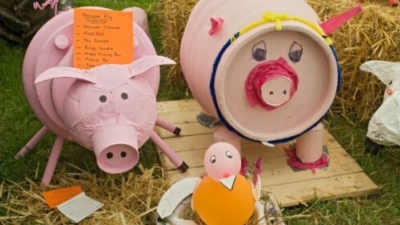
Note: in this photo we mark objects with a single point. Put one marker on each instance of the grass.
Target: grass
(18, 124)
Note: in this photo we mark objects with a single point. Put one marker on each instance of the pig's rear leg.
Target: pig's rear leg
(51, 164)
(206, 120)
(32, 143)
(175, 159)
(168, 126)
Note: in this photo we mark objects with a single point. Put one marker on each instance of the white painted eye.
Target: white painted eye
(229, 154)
(213, 159)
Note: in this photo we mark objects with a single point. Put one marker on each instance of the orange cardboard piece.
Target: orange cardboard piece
(58, 196)
(102, 37)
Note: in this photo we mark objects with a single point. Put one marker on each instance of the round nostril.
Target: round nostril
(284, 92)
(109, 155)
(271, 93)
(123, 154)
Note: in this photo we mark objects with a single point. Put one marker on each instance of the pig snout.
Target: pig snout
(116, 148)
(271, 84)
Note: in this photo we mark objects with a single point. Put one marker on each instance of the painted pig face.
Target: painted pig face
(110, 109)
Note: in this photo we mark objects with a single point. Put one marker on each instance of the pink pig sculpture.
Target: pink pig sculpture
(266, 70)
(110, 109)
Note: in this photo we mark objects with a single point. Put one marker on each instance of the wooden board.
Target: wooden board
(343, 177)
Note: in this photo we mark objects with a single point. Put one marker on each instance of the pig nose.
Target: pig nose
(116, 149)
(277, 91)
(389, 91)
(271, 84)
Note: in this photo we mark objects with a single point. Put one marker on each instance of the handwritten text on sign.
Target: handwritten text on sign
(102, 37)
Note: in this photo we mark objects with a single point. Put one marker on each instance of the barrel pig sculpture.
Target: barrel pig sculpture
(110, 109)
(265, 69)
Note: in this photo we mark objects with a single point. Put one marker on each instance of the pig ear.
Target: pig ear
(145, 63)
(337, 21)
(385, 71)
(65, 72)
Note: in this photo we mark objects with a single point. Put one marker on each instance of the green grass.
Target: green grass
(18, 124)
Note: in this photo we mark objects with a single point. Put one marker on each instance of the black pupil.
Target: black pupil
(124, 95)
(259, 54)
(109, 155)
(390, 83)
(123, 154)
(103, 98)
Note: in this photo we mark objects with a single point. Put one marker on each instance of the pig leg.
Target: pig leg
(51, 164)
(309, 150)
(175, 159)
(206, 120)
(225, 135)
(32, 143)
(168, 126)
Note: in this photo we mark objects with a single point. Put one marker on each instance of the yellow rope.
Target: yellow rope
(278, 18)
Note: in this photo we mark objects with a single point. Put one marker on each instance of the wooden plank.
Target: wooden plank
(193, 142)
(188, 129)
(343, 177)
(186, 116)
(194, 158)
(181, 105)
(355, 184)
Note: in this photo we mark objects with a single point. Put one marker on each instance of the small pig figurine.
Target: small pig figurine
(266, 70)
(384, 126)
(110, 109)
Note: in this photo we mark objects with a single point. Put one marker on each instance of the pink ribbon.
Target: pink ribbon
(296, 163)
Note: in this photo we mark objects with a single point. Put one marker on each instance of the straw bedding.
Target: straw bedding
(372, 35)
(128, 199)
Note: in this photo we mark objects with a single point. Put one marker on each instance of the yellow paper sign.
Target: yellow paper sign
(58, 196)
(102, 37)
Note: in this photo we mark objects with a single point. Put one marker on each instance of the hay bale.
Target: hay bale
(371, 35)
(127, 198)
(172, 17)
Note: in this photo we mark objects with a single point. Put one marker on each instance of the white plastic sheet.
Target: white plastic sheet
(384, 126)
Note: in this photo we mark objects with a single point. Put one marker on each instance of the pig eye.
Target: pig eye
(124, 95)
(229, 154)
(391, 82)
(103, 98)
(213, 159)
(259, 51)
(296, 50)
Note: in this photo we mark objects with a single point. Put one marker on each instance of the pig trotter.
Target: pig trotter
(371, 147)
(177, 131)
(184, 167)
(51, 164)
(206, 120)
(168, 126)
(32, 143)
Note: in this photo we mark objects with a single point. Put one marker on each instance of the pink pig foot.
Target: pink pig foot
(393, 2)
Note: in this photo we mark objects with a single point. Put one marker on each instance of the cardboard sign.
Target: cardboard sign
(79, 207)
(58, 196)
(102, 37)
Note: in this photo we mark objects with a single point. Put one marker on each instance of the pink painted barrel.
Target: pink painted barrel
(265, 68)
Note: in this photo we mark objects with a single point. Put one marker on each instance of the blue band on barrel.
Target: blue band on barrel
(221, 117)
